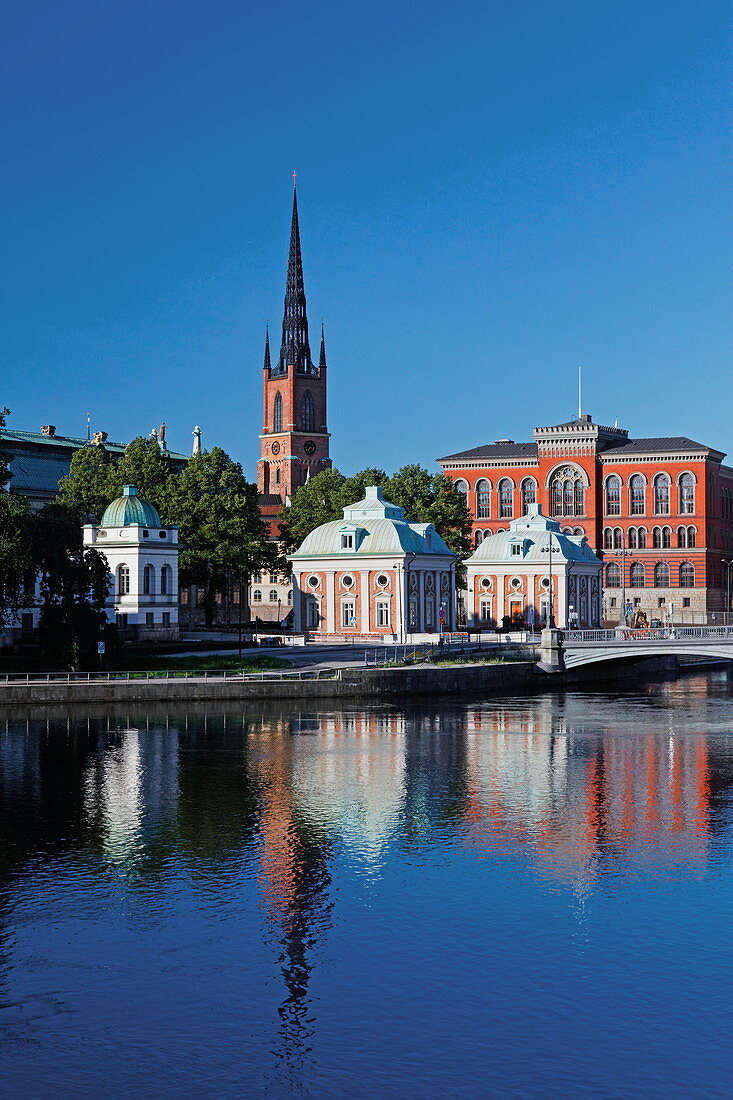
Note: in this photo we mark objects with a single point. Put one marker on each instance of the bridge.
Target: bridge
(568, 649)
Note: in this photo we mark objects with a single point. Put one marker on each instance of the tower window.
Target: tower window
(277, 417)
(307, 418)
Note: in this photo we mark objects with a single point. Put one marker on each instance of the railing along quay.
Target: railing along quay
(184, 674)
(622, 635)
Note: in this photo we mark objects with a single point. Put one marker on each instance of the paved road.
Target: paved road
(311, 656)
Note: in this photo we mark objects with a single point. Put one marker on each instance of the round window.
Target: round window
(347, 581)
(516, 583)
(486, 583)
(545, 582)
(313, 581)
(382, 580)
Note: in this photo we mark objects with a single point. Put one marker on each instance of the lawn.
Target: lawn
(218, 662)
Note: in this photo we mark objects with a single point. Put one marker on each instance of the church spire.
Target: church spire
(295, 349)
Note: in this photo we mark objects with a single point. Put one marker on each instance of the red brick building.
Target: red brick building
(659, 512)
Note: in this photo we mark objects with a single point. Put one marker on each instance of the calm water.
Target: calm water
(523, 898)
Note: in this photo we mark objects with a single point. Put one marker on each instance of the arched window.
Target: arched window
(567, 493)
(277, 476)
(618, 538)
(636, 495)
(687, 494)
(306, 412)
(608, 538)
(613, 495)
(632, 542)
(682, 536)
(483, 499)
(148, 580)
(661, 575)
(661, 495)
(641, 537)
(579, 531)
(636, 575)
(123, 580)
(478, 537)
(273, 595)
(687, 575)
(277, 415)
(256, 596)
(166, 580)
(666, 538)
(613, 575)
(529, 494)
(506, 511)
(462, 488)
(691, 536)
(661, 537)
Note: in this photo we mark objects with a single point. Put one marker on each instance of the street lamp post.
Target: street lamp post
(622, 553)
(727, 562)
(551, 622)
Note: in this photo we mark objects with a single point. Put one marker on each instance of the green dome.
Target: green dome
(130, 510)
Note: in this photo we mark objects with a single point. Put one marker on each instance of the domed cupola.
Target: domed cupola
(130, 510)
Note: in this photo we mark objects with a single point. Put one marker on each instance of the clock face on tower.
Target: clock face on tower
(309, 447)
(276, 448)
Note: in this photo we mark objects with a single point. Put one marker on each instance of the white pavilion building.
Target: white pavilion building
(532, 571)
(374, 574)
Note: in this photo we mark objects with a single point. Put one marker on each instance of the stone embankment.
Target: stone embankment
(344, 683)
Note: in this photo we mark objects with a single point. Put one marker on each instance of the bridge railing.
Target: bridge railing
(622, 635)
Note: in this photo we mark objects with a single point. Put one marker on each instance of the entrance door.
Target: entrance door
(516, 610)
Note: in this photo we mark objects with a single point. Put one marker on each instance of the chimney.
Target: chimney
(99, 438)
(49, 429)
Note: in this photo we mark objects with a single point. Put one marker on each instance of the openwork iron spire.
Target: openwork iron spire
(295, 349)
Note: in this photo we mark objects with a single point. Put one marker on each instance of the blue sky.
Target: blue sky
(490, 193)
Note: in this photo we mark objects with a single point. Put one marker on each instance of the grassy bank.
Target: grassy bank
(139, 662)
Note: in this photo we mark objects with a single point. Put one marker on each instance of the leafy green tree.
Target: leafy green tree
(93, 481)
(221, 531)
(4, 461)
(318, 501)
(16, 562)
(145, 465)
(432, 498)
(74, 583)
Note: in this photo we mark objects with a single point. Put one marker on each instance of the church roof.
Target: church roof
(378, 527)
(130, 510)
(534, 533)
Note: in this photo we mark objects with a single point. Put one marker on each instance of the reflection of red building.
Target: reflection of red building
(668, 502)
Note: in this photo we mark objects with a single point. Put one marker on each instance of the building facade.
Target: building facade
(658, 512)
(532, 573)
(294, 443)
(39, 460)
(373, 574)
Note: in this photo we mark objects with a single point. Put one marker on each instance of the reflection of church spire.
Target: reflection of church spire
(295, 880)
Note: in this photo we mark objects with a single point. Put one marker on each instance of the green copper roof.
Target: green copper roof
(377, 528)
(130, 510)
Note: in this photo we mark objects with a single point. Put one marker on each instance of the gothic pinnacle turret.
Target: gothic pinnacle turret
(322, 356)
(267, 348)
(295, 350)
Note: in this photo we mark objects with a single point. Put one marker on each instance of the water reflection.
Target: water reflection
(581, 793)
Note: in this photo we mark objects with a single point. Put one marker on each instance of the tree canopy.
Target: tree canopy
(220, 527)
(425, 497)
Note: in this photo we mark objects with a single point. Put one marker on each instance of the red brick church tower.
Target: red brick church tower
(294, 439)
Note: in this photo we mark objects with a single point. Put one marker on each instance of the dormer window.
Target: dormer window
(347, 542)
(516, 549)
